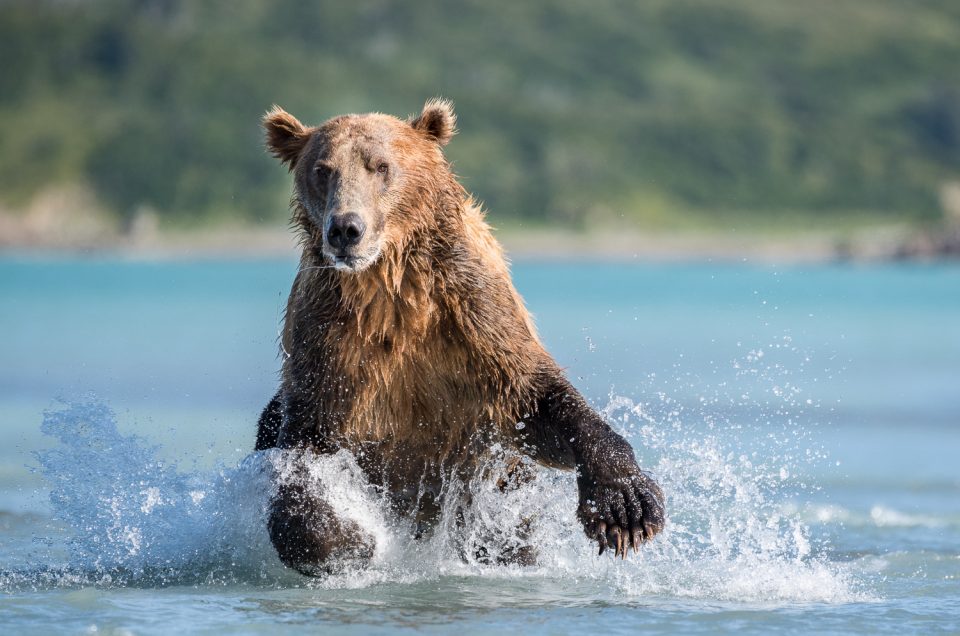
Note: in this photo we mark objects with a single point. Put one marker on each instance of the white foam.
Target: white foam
(134, 519)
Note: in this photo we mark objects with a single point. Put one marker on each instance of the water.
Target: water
(803, 422)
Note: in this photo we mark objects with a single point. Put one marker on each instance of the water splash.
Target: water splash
(134, 520)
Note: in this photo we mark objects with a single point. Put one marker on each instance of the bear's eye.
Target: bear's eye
(382, 168)
(321, 170)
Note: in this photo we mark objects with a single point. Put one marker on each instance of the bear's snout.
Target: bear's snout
(345, 231)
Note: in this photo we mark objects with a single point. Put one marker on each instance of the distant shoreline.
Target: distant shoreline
(633, 245)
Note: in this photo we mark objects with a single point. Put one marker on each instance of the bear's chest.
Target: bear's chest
(426, 414)
(434, 392)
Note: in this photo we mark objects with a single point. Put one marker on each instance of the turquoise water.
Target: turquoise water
(805, 424)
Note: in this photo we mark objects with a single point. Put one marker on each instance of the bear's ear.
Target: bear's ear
(437, 120)
(286, 136)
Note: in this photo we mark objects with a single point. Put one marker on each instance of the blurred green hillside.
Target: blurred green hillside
(666, 113)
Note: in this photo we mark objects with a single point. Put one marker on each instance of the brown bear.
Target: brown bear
(405, 343)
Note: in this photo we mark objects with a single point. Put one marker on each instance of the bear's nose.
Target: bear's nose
(345, 231)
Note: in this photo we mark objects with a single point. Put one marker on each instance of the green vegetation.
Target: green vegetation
(660, 112)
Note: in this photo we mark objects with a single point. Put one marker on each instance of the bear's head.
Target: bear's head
(364, 181)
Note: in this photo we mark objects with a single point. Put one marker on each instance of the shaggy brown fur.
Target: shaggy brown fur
(411, 347)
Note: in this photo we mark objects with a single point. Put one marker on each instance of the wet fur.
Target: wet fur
(419, 363)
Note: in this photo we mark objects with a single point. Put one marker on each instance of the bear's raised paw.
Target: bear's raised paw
(620, 511)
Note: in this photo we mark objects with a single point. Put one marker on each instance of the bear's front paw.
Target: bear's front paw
(620, 510)
(311, 538)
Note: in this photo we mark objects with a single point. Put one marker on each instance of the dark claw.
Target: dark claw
(637, 538)
(617, 540)
(649, 529)
(602, 537)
